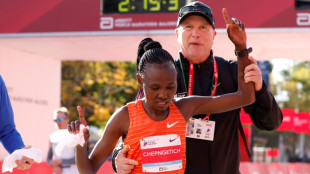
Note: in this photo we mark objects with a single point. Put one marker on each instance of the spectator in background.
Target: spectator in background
(65, 162)
(9, 136)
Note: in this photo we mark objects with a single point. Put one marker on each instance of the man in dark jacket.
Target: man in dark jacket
(211, 75)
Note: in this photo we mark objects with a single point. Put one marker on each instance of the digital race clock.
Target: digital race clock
(141, 6)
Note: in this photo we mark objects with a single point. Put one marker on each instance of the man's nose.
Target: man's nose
(195, 32)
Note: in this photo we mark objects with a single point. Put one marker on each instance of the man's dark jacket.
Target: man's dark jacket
(222, 155)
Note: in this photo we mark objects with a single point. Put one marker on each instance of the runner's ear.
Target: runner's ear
(139, 80)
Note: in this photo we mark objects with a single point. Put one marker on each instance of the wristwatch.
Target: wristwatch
(242, 53)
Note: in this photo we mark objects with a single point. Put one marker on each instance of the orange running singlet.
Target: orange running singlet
(158, 146)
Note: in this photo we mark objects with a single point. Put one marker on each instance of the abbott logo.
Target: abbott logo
(106, 23)
(303, 19)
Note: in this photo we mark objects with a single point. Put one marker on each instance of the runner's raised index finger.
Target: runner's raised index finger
(225, 16)
(81, 115)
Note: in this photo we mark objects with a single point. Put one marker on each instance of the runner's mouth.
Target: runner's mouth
(162, 103)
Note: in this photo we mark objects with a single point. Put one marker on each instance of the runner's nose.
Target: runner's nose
(163, 94)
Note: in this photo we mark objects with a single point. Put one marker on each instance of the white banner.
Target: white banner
(34, 87)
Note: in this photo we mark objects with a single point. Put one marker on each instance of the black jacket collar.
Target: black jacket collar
(186, 63)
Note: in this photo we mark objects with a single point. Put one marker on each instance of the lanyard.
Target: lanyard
(191, 80)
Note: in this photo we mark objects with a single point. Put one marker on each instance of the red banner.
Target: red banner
(288, 118)
(301, 122)
(272, 152)
(292, 121)
(44, 168)
(118, 15)
(243, 152)
(245, 118)
(309, 126)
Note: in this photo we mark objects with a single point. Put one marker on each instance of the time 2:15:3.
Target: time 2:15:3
(127, 6)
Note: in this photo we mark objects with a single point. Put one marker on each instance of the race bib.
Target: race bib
(161, 153)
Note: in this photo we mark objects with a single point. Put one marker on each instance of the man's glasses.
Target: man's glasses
(61, 119)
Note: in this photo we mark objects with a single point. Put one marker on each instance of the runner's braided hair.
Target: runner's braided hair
(141, 49)
(150, 52)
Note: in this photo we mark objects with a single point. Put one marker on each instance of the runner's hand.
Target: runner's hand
(74, 126)
(235, 30)
(124, 165)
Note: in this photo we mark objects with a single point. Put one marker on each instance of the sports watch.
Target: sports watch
(242, 53)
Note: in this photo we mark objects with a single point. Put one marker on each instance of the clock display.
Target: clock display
(141, 6)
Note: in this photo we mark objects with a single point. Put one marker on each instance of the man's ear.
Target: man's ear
(177, 33)
(214, 34)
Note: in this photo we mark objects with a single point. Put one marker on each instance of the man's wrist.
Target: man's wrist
(262, 90)
(240, 47)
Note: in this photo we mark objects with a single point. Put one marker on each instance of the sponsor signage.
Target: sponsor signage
(301, 122)
(288, 120)
(142, 15)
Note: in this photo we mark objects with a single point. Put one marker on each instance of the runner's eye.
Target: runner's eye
(154, 88)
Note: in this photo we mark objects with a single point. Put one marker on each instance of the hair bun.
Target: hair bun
(141, 46)
(152, 45)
